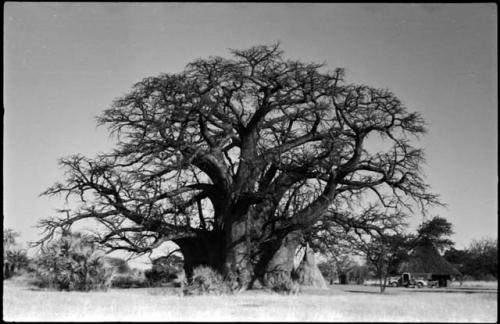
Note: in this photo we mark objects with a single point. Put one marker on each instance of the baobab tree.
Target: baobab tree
(214, 157)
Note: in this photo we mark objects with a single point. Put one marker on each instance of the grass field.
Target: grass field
(339, 303)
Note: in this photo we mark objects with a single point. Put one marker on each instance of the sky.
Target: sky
(64, 63)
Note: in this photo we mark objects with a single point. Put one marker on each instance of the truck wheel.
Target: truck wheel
(419, 285)
(394, 284)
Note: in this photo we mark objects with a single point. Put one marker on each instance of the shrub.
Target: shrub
(122, 275)
(208, 281)
(15, 259)
(128, 280)
(72, 263)
(156, 277)
(118, 265)
(165, 270)
(15, 262)
(282, 287)
(283, 284)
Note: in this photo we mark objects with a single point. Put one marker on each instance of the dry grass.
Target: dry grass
(476, 284)
(340, 303)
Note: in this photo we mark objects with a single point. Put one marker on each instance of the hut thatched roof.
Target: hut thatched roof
(425, 258)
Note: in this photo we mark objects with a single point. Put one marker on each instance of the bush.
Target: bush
(283, 284)
(282, 287)
(118, 265)
(165, 270)
(123, 276)
(479, 261)
(72, 263)
(15, 259)
(157, 277)
(15, 262)
(128, 280)
(207, 281)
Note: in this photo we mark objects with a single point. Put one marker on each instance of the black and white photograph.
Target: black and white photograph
(250, 162)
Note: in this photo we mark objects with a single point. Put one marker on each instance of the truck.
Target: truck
(409, 281)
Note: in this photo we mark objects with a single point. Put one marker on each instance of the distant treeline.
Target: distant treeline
(478, 262)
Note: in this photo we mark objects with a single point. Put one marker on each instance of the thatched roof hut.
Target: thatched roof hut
(425, 259)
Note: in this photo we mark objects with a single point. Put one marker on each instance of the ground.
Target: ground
(469, 303)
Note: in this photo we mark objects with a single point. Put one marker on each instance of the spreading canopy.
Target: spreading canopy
(258, 139)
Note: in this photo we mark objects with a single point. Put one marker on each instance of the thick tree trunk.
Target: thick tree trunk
(247, 251)
(271, 264)
(237, 263)
(207, 248)
(275, 261)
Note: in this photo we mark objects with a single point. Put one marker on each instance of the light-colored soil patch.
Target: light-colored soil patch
(339, 303)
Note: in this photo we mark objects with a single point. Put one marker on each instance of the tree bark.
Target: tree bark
(237, 263)
(206, 248)
(275, 263)
(249, 250)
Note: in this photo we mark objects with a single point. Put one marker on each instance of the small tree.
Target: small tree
(383, 253)
(72, 263)
(14, 258)
(374, 232)
(358, 273)
(9, 238)
(482, 259)
(336, 266)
